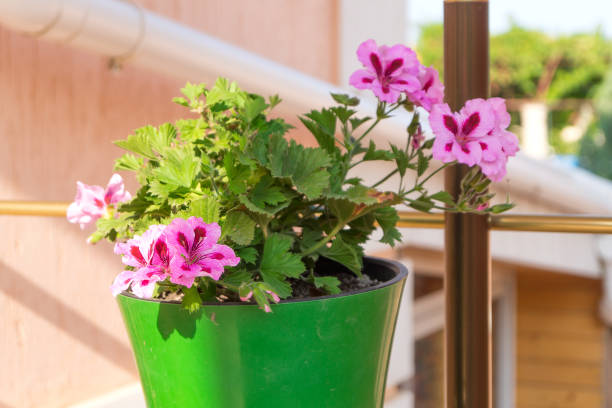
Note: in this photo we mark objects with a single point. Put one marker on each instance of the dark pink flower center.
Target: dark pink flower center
(217, 256)
(161, 249)
(376, 64)
(200, 234)
(135, 251)
(448, 147)
(428, 84)
(451, 124)
(98, 203)
(182, 239)
(483, 146)
(367, 80)
(393, 66)
(471, 123)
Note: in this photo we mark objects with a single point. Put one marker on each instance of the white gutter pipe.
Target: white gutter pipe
(123, 30)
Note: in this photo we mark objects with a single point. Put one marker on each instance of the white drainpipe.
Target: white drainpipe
(122, 29)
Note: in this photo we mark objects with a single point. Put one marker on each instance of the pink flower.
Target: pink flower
(388, 72)
(247, 297)
(195, 251)
(508, 140)
(92, 202)
(430, 91)
(149, 255)
(476, 135)
(462, 136)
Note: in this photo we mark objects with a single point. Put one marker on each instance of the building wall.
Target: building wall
(61, 336)
(560, 347)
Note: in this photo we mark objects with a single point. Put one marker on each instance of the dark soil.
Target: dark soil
(349, 282)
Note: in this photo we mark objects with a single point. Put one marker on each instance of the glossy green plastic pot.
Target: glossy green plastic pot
(318, 352)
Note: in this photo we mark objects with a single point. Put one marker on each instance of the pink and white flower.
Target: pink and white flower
(149, 255)
(195, 251)
(430, 91)
(476, 135)
(93, 202)
(461, 136)
(388, 72)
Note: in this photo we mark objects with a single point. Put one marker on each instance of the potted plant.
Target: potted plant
(233, 220)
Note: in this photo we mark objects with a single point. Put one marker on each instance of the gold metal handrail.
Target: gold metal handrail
(408, 219)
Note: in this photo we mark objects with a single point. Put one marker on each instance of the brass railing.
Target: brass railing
(408, 219)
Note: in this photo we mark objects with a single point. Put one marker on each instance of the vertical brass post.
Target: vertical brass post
(467, 281)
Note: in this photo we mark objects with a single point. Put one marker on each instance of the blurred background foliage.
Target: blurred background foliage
(569, 73)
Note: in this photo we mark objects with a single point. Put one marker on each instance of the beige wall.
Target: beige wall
(61, 336)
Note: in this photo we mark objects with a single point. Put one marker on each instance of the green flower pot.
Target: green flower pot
(320, 352)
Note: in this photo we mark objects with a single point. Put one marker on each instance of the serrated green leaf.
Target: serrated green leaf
(401, 160)
(206, 208)
(178, 167)
(139, 143)
(345, 99)
(191, 129)
(278, 263)
(193, 91)
(330, 284)
(356, 122)
(422, 163)
(373, 154)
(343, 253)
(322, 125)
(387, 219)
(248, 255)
(236, 276)
(428, 143)
(253, 107)
(191, 299)
(304, 166)
(226, 93)
(129, 162)
(239, 227)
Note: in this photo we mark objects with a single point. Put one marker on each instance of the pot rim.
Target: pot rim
(401, 272)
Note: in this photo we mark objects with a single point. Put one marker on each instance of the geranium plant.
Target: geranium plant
(230, 210)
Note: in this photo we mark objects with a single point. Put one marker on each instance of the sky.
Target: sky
(564, 17)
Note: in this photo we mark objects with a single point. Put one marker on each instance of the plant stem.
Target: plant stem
(325, 240)
(385, 178)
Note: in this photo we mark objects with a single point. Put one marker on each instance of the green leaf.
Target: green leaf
(239, 227)
(274, 100)
(227, 94)
(265, 193)
(206, 208)
(443, 197)
(236, 276)
(387, 218)
(356, 122)
(341, 208)
(422, 163)
(330, 284)
(304, 166)
(401, 159)
(191, 129)
(191, 299)
(343, 253)
(499, 208)
(193, 91)
(278, 263)
(345, 99)
(373, 154)
(178, 167)
(322, 125)
(138, 143)
(248, 255)
(180, 101)
(253, 107)
(129, 162)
